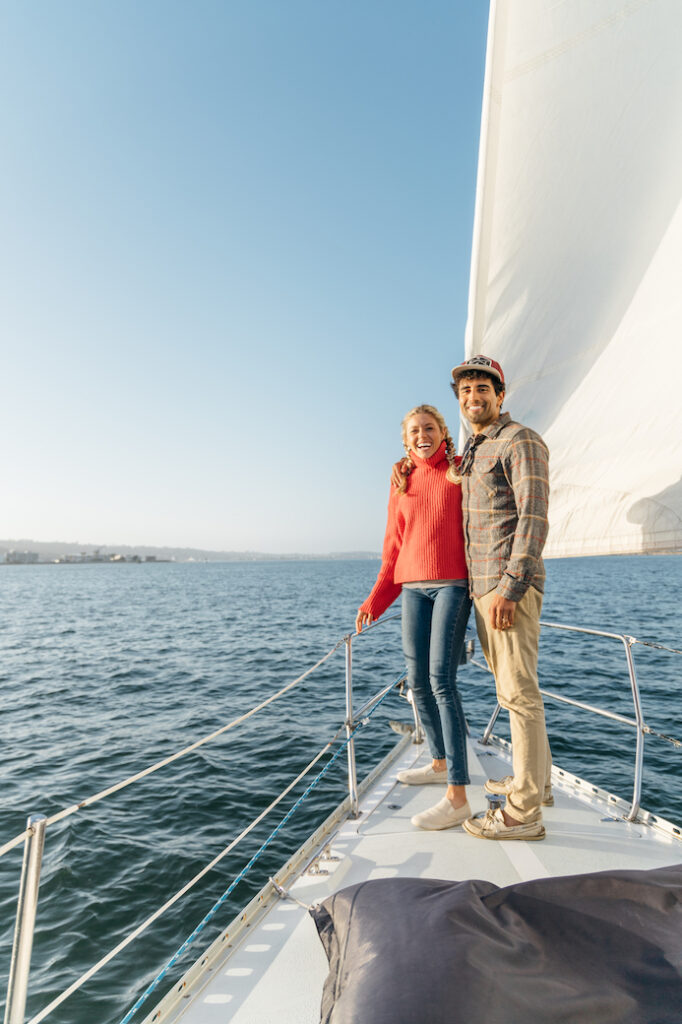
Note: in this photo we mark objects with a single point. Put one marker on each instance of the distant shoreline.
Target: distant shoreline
(30, 552)
(196, 561)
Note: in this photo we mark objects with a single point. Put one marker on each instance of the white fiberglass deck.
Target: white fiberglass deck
(275, 971)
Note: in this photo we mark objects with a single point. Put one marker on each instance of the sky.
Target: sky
(234, 251)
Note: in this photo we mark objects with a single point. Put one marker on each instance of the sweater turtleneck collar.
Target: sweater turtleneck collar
(433, 460)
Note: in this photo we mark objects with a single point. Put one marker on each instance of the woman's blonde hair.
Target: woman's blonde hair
(408, 465)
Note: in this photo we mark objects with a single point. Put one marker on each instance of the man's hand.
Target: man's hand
(502, 612)
(363, 619)
(399, 472)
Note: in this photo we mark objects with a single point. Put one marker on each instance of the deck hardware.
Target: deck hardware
(284, 894)
(394, 807)
(495, 801)
(27, 904)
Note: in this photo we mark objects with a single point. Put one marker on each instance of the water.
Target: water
(108, 668)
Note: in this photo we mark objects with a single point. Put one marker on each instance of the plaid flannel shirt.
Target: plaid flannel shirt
(505, 492)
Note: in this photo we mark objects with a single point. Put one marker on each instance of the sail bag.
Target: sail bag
(603, 948)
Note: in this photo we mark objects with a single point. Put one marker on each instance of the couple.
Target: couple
(471, 526)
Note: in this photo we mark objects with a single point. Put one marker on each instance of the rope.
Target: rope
(202, 924)
(89, 801)
(204, 871)
(14, 842)
(479, 664)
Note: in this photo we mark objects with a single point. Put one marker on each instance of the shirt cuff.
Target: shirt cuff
(511, 589)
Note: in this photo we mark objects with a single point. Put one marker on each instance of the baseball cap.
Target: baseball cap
(479, 363)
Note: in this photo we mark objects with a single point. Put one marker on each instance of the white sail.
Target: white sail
(576, 284)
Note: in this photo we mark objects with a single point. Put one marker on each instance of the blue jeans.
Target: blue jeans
(434, 623)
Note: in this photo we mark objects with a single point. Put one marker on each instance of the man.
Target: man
(505, 490)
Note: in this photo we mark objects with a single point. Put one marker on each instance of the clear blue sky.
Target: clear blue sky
(234, 244)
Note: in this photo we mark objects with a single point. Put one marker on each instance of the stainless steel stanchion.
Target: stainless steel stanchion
(352, 773)
(27, 904)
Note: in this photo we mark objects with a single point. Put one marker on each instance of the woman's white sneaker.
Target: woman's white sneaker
(442, 815)
(424, 776)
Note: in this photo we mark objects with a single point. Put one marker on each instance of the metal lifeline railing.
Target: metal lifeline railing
(638, 722)
(35, 832)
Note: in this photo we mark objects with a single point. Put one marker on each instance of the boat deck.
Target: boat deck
(274, 972)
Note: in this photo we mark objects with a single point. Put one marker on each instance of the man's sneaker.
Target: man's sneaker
(490, 825)
(503, 787)
(443, 815)
(423, 776)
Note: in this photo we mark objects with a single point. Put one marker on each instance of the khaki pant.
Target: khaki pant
(512, 656)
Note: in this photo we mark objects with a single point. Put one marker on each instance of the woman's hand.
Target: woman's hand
(363, 619)
(399, 472)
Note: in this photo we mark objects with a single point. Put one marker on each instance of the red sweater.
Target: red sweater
(424, 539)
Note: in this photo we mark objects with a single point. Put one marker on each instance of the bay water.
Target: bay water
(106, 669)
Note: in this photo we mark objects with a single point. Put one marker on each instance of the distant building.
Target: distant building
(22, 557)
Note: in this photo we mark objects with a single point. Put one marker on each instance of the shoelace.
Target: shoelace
(489, 817)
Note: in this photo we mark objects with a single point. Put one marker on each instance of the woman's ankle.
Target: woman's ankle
(457, 795)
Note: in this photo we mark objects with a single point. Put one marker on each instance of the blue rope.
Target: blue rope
(214, 909)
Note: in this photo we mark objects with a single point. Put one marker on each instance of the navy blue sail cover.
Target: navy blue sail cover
(602, 948)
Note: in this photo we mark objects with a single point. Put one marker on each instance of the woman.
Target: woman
(423, 557)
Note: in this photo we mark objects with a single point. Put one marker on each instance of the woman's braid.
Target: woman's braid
(407, 467)
(450, 454)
